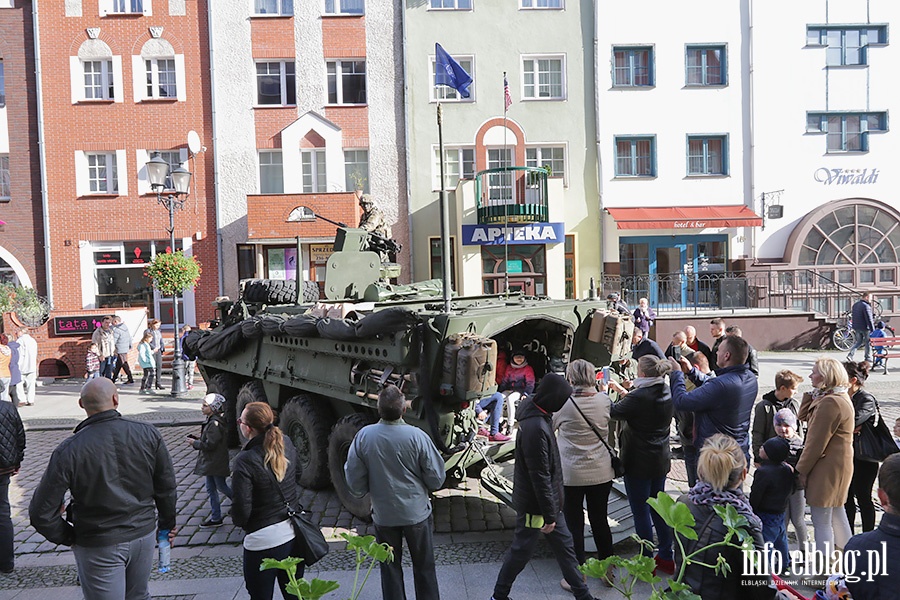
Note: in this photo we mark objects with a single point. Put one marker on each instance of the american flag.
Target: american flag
(507, 99)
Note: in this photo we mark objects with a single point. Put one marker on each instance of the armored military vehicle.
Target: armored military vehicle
(322, 364)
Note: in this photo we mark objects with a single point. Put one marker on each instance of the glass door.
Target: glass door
(671, 283)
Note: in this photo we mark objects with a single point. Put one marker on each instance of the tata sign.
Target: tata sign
(529, 233)
(839, 176)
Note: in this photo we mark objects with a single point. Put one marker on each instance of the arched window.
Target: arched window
(96, 73)
(158, 72)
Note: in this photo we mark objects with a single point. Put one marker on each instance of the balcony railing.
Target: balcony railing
(788, 289)
(512, 195)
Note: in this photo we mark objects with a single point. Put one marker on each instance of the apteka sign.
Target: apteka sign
(528, 233)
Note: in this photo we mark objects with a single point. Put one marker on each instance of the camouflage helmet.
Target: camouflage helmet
(366, 200)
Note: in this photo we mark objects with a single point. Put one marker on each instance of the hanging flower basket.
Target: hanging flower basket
(29, 308)
(172, 273)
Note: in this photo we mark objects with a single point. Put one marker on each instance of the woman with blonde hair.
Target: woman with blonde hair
(647, 411)
(721, 468)
(263, 480)
(586, 463)
(825, 467)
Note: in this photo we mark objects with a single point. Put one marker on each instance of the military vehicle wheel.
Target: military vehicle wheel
(252, 391)
(227, 385)
(310, 291)
(338, 447)
(308, 423)
(272, 291)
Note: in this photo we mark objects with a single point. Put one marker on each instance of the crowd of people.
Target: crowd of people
(575, 434)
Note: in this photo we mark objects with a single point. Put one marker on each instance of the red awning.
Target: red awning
(684, 217)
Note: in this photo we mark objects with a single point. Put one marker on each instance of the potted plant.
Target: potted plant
(173, 272)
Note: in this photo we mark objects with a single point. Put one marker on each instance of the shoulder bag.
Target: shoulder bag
(875, 442)
(309, 543)
(615, 461)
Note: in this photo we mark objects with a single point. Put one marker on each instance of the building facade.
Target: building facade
(674, 136)
(823, 146)
(121, 80)
(308, 102)
(521, 183)
(22, 229)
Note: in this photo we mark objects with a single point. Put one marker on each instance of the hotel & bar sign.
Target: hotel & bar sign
(526, 233)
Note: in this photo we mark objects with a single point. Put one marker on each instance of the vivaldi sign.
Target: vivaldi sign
(528, 233)
(839, 176)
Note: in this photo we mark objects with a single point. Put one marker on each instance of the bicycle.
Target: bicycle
(843, 337)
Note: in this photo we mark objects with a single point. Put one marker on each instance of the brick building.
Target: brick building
(120, 80)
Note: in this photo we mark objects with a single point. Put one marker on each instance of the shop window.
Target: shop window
(522, 267)
(436, 266)
(281, 262)
(119, 274)
(571, 290)
(246, 261)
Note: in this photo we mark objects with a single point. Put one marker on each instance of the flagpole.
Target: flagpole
(445, 216)
(505, 203)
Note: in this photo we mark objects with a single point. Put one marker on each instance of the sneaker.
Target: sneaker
(210, 522)
(482, 432)
(499, 437)
(663, 565)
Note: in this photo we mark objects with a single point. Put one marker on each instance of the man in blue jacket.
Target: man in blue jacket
(863, 325)
(723, 404)
(883, 542)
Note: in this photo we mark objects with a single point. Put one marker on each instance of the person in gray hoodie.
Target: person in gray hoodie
(122, 340)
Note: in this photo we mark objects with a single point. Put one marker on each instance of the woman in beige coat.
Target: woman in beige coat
(826, 465)
(586, 463)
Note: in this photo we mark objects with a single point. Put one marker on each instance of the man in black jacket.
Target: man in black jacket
(119, 474)
(538, 491)
(12, 452)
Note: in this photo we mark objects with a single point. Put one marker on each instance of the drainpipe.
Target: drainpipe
(750, 111)
(409, 219)
(600, 217)
(42, 150)
(215, 145)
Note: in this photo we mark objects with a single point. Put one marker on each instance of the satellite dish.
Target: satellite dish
(194, 143)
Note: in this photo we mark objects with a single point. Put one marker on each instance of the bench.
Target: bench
(890, 348)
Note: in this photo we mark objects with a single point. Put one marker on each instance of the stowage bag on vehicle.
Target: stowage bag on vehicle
(383, 322)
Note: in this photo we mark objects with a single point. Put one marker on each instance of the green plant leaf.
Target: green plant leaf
(315, 589)
(676, 515)
(289, 565)
(722, 566)
(598, 568)
(368, 546)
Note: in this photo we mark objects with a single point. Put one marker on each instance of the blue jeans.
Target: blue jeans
(420, 543)
(862, 341)
(7, 557)
(494, 406)
(107, 366)
(645, 518)
(775, 531)
(261, 584)
(214, 485)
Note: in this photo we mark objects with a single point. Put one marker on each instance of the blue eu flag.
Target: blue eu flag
(448, 72)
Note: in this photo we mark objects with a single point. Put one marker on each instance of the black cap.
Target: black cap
(777, 449)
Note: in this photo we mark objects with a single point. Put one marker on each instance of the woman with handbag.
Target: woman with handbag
(826, 464)
(865, 460)
(264, 478)
(647, 411)
(582, 425)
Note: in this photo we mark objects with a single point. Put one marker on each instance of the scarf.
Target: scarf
(703, 494)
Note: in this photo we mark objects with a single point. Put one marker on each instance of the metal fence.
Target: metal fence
(800, 289)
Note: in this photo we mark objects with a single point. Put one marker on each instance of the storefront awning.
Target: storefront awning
(684, 217)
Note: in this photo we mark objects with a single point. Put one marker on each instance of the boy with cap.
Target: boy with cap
(786, 426)
(212, 460)
(773, 484)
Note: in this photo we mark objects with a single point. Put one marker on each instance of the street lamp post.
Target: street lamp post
(157, 171)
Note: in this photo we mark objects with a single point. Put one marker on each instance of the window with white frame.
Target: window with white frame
(98, 80)
(161, 81)
(635, 156)
(273, 7)
(542, 4)
(459, 163)
(4, 178)
(544, 77)
(500, 184)
(704, 66)
(846, 131)
(846, 45)
(443, 93)
(451, 4)
(271, 172)
(346, 81)
(547, 156)
(356, 170)
(275, 83)
(345, 7)
(103, 177)
(633, 67)
(314, 175)
(707, 155)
